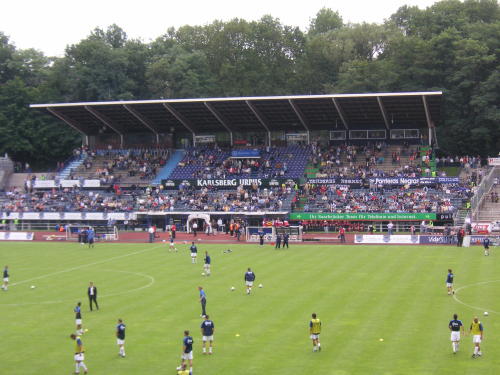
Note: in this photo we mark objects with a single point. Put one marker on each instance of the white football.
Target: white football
(486, 313)
(185, 242)
(164, 241)
(33, 287)
(232, 289)
(203, 274)
(260, 285)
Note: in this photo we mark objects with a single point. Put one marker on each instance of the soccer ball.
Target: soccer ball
(260, 285)
(232, 289)
(199, 239)
(203, 274)
(164, 240)
(33, 287)
(486, 313)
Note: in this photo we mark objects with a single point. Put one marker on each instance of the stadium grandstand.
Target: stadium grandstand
(359, 161)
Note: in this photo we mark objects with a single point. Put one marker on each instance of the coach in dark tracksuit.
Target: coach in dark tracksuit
(278, 242)
(92, 293)
(286, 237)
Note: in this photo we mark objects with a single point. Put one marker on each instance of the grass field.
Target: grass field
(361, 294)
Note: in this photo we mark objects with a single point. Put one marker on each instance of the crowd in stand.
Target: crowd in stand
(364, 161)
(214, 162)
(142, 163)
(459, 161)
(323, 198)
(64, 200)
(212, 199)
(140, 199)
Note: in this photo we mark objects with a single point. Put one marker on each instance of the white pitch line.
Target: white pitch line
(472, 306)
(151, 282)
(84, 265)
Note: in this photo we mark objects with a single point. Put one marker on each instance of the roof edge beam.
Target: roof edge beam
(340, 111)
(257, 114)
(184, 121)
(384, 113)
(219, 118)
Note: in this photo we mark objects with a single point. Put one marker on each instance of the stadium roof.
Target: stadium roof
(264, 113)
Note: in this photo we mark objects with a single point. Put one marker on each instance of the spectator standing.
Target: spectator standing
(390, 226)
(195, 228)
(342, 235)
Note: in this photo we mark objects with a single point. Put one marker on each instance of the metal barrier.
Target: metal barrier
(482, 190)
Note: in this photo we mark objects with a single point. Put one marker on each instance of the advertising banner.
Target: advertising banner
(204, 138)
(362, 216)
(434, 240)
(385, 239)
(336, 181)
(423, 181)
(245, 154)
(16, 236)
(494, 161)
(478, 239)
(228, 183)
(48, 184)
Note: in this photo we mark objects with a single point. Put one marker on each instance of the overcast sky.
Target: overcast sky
(51, 25)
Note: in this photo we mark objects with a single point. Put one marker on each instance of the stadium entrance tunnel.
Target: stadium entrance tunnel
(195, 217)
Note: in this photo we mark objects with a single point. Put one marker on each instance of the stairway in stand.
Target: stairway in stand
(167, 170)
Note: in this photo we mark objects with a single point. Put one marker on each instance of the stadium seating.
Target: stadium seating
(287, 162)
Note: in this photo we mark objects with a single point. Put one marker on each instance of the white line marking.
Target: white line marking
(84, 265)
(151, 282)
(471, 306)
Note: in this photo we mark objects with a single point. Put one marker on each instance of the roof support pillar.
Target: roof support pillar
(67, 120)
(107, 122)
(341, 113)
(219, 118)
(184, 121)
(143, 121)
(428, 118)
(384, 113)
(257, 114)
(301, 118)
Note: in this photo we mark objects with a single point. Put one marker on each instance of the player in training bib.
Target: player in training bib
(314, 331)
(476, 329)
(79, 354)
(455, 327)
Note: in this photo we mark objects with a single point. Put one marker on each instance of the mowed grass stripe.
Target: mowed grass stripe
(350, 285)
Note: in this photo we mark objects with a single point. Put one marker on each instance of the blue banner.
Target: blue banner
(245, 154)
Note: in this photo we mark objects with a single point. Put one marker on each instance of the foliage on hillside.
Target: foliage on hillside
(452, 46)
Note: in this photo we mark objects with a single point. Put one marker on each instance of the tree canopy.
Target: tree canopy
(451, 46)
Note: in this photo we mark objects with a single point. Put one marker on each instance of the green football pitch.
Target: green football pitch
(361, 293)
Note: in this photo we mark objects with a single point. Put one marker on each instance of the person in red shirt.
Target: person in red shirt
(342, 235)
(173, 228)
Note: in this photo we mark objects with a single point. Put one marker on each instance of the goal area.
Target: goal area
(270, 233)
(102, 232)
